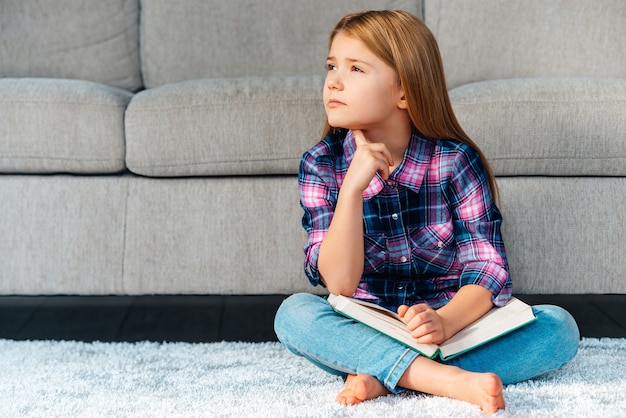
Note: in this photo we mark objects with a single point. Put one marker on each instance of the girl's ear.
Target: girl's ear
(402, 103)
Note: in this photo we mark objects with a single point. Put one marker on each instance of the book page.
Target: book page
(496, 322)
(381, 319)
(378, 308)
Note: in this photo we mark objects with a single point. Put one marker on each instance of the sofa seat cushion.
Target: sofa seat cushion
(54, 125)
(565, 234)
(227, 235)
(224, 126)
(62, 234)
(551, 126)
(95, 41)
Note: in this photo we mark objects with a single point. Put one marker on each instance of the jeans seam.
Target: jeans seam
(391, 381)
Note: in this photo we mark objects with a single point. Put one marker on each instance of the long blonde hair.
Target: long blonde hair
(406, 44)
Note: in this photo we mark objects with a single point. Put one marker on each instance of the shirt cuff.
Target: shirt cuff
(491, 276)
(310, 265)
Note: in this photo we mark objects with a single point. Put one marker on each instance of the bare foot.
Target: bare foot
(359, 388)
(428, 376)
(482, 389)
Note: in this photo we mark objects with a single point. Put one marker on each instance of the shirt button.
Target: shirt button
(440, 244)
(394, 216)
(403, 259)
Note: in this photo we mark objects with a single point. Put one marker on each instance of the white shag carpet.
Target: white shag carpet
(75, 379)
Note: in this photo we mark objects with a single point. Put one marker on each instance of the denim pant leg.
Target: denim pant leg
(545, 345)
(309, 327)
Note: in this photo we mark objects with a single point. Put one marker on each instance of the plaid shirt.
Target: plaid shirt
(431, 228)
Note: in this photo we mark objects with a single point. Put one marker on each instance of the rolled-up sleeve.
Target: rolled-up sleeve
(318, 200)
(477, 228)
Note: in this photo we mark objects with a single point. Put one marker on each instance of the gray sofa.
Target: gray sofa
(152, 147)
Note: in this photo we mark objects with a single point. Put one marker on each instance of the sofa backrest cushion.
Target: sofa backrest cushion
(94, 41)
(495, 39)
(547, 126)
(218, 127)
(61, 126)
(239, 38)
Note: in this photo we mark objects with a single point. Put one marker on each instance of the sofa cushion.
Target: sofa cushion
(62, 234)
(557, 127)
(230, 235)
(224, 126)
(491, 39)
(96, 41)
(54, 125)
(565, 234)
(195, 38)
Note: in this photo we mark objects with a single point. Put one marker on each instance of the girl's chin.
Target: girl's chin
(339, 124)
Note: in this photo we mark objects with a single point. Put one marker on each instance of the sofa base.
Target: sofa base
(213, 318)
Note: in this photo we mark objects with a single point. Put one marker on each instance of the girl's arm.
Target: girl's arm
(341, 254)
(469, 304)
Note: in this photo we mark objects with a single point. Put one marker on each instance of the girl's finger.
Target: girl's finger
(359, 138)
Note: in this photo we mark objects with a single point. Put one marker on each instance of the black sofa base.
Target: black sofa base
(213, 318)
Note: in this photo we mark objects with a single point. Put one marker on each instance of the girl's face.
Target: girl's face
(361, 91)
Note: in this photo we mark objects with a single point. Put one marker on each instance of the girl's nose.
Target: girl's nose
(333, 82)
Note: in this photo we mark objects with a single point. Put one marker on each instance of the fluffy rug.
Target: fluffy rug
(71, 379)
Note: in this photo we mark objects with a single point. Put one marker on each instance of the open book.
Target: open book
(495, 323)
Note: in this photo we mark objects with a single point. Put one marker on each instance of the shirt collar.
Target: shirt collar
(410, 173)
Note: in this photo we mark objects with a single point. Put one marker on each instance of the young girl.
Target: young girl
(399, 209)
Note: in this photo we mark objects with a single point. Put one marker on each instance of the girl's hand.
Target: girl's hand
(424, 323)
(369, 158)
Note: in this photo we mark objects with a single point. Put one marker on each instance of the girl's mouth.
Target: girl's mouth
(334, 103)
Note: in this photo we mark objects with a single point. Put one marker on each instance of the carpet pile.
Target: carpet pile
(66, 378)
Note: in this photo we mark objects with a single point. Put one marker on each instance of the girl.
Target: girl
(399, 210)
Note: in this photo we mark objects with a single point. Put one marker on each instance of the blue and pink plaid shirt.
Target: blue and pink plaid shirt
(431, 228)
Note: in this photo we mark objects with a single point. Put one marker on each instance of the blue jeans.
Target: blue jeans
(308, 326)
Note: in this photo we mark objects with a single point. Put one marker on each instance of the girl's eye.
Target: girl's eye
(330, 67)
(357, 69)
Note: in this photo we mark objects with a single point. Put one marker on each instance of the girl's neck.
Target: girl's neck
(396, 139)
